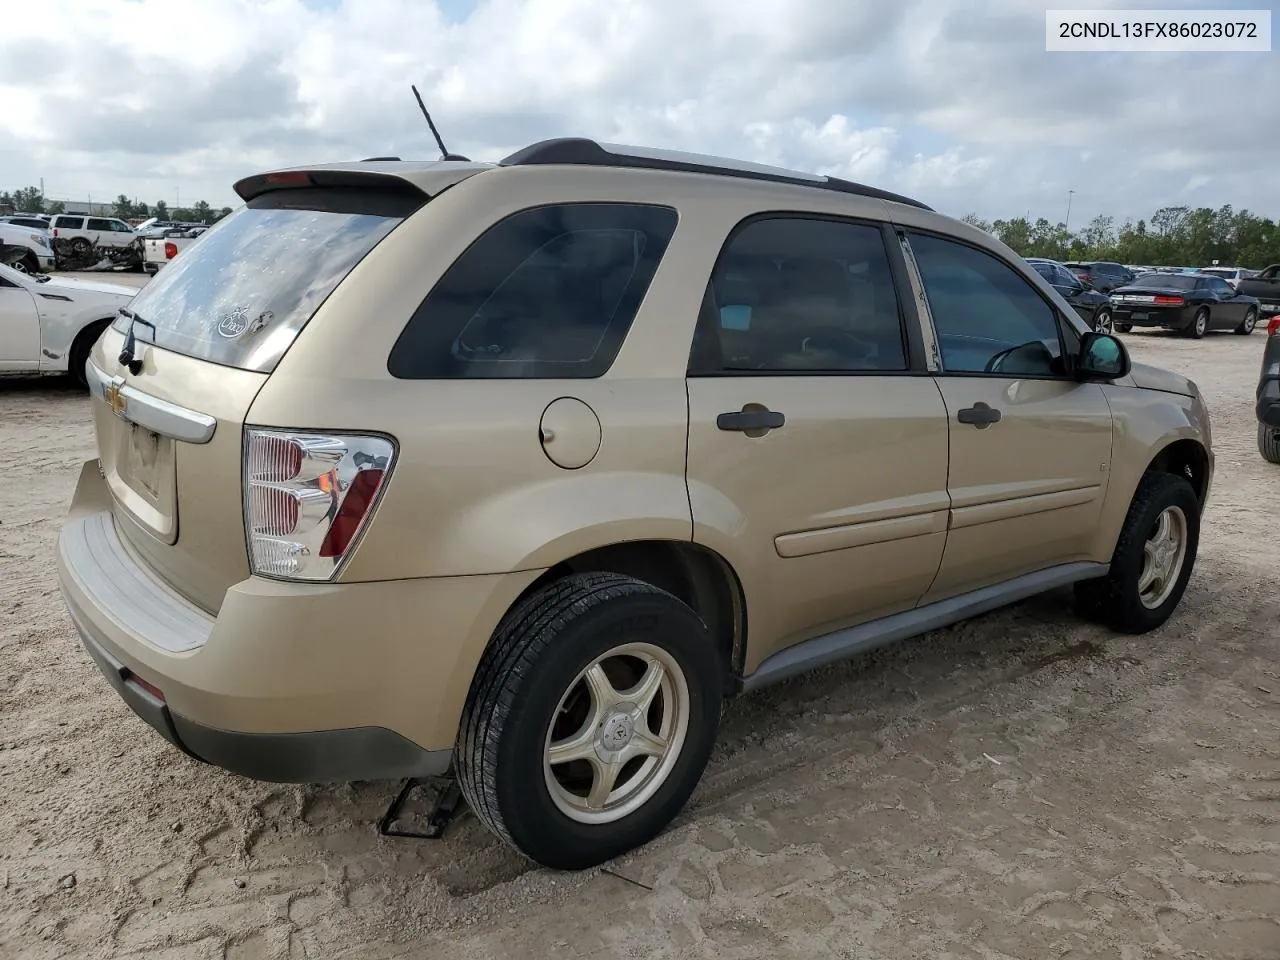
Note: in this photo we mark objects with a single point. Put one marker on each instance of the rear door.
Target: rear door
(1030, 446)
(817, 454)
(19, 325)
(98, 230)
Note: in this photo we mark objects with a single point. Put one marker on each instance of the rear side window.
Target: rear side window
(242, 294)
(68, 223)
(794, 295)
(549, 292)
(95, 224)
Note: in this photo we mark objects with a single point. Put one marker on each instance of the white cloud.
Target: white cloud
(953, 100)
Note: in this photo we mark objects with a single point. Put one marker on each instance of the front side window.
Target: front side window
(796, 295)
(549, 292)
(988, 319)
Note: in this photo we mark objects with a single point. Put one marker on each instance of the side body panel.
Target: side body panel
(19, 330)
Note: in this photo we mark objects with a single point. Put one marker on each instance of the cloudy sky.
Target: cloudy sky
(954, 102)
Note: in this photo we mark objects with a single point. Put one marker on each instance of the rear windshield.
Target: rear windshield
(1170, 281)
(240, 296)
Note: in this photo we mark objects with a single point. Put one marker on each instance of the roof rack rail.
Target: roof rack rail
(378, 159)
(580, 151)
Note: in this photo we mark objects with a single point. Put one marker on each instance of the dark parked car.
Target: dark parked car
(1102, 275)
(1268, 408)
(1091, 304)
(1189, 303)
(1265, 285)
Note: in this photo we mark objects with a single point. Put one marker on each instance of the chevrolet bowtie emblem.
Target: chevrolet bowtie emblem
(115, 398)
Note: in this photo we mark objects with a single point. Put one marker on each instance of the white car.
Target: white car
(48, 324)
(81, 234)
(1233, 275)
(25, 248)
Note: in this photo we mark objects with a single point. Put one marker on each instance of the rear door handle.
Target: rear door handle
(979, 415)
(751, 420)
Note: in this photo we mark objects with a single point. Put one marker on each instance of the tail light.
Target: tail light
(1169, 301)
(1273, 326)
(307, 497)
(170, 250)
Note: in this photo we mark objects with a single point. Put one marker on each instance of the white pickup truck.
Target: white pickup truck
(157, 251)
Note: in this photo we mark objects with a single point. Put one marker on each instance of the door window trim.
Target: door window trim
(1058, 317)
(909, 325)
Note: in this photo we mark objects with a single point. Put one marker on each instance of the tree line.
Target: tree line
(1174, 237)
(31, 200)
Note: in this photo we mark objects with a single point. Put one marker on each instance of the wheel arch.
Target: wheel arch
(1185, 457)
(696, 575)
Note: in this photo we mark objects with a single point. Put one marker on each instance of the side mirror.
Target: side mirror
(1102, 357)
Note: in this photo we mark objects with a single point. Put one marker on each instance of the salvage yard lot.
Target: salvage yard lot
(1021, 785)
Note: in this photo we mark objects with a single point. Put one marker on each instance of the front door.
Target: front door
(817, 455)
(1030, 446)
(19, 328)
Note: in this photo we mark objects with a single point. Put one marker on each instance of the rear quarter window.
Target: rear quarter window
(549, 292)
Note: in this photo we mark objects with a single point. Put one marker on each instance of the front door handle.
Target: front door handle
(751, 419)
(980, 415)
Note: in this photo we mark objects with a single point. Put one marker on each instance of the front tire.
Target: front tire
(590, 719)
(78, 356)
(1269, 443)
(1248, 323)
(1153, 558)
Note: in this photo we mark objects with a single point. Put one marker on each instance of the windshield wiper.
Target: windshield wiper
(130, 342)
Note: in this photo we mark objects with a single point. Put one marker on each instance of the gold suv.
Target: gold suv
(518, 470)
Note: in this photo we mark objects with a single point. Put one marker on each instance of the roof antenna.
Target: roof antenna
(444, 154)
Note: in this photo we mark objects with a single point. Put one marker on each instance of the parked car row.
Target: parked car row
(1111, 297)
(34, 242)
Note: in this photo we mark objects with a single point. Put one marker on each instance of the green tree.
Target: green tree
(123, 207)
(57, 206)
(160, 211)
(28, 200)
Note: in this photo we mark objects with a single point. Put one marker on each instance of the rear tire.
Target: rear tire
(1102, 322)
(1124, 327)
(544, 681)
(1248, 323)
(80, 350)
(1148, 573)
(80, 247)
(1269, 443)
(1199, 324)
(28, 265)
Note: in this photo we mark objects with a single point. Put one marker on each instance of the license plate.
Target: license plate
(144, 458)
(1138, 316)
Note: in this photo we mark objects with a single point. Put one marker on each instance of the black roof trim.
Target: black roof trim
(580, 151)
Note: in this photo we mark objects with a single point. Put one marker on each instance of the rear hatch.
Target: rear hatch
(208, 332)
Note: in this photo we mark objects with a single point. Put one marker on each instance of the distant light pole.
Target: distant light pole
(1067, 226)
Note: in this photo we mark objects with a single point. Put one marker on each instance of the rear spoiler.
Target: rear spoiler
(258, 184)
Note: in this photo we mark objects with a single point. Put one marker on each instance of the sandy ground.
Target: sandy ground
(1020, 786)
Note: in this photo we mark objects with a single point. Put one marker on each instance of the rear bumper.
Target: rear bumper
(299, 683)
(322, 756)
(1139, 315)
